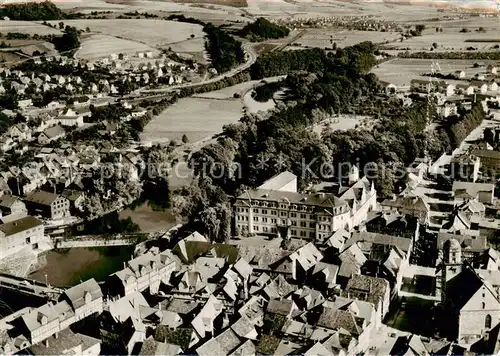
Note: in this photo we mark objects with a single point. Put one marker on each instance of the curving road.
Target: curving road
(250, 55)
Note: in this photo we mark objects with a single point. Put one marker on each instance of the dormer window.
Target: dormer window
(88, 297)
(42, 319)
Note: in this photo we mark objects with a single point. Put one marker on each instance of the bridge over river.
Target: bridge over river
(29, 287)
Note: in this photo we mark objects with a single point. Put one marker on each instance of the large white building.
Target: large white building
(17, 234)
(277, 208)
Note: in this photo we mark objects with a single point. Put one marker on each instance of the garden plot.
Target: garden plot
(198, 118)
(155, 33)
(322, 38)
(401, 71)
(100, 46)
(27, 27)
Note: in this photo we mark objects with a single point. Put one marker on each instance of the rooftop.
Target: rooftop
(41, 197)
(279, 181)
(23, 224)
(78, 293)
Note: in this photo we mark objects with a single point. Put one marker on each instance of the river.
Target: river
(69, 267)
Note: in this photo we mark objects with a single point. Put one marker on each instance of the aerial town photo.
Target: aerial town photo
(250, 177)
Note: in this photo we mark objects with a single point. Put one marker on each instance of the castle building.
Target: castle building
(277, 208)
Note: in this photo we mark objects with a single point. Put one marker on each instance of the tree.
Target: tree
(263, 29)
(157, 192)
(32, 11)
(61, 25)
(185, 139)
(419, 29)
(87, 29)
(435, 45)
(68, 41)
(225, 52)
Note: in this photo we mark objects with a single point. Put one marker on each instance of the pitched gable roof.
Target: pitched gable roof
(461, 288)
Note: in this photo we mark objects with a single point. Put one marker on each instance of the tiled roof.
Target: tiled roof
(278, 181)
(367, 288)
(77, 293)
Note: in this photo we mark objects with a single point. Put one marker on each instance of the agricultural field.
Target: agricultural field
(10, 59)
(156, 33)
(452, 38)
(27, 27)
(99, 46)
(449, 40)
(319, 8)
(322, 38)
(198, 118)
(401, 71)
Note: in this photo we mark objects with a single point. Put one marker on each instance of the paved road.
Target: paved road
(27, 286)
(251, 57)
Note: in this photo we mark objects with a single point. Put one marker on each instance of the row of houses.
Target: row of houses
(475, 86)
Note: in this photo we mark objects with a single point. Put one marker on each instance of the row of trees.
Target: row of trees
(459, 129)
(182, 18)
(220, 84)
(451, 55)
(225, 52)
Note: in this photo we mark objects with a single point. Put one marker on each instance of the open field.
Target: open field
(401, 71)
(191, 45)
(342, 123)
(198, 118)
(99, 46)
(316, 37)
(28, 27)
(254, 106)
(156, 33)
(449, 40)
(10, 59)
